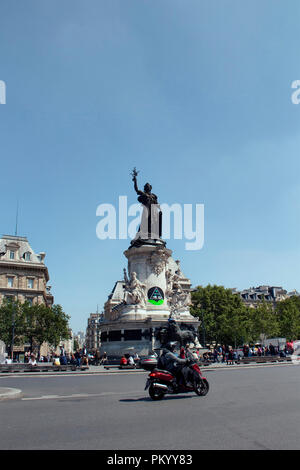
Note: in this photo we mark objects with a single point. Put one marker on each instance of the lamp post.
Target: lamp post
(13, 330)
(203, 328)
(202, 324)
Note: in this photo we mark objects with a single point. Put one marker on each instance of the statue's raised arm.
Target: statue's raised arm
(134, 179)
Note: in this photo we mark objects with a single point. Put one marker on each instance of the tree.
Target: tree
(11, 322)
(264, 321)
(34, 324)
(288, 318)
(223, 316)
(59, 328)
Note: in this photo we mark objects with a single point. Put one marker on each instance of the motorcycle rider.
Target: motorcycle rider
(172, 363)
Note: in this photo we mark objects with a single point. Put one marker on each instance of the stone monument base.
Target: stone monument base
(137, 336)
(153, 290)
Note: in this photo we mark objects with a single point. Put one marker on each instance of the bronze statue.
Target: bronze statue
(184, 334)
(151, 224)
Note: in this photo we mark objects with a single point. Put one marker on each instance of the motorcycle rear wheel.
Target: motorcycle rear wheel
(202, 388)
(155, 393)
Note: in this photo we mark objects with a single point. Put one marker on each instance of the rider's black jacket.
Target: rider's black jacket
(169, 361)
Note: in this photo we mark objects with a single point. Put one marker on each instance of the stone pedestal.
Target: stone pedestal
(153, 289)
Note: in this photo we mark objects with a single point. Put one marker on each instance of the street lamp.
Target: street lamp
(13, 330)
(203, 328)
(202, 324)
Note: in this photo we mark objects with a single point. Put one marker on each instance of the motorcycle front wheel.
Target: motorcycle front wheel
(155, 393)
(202, 388)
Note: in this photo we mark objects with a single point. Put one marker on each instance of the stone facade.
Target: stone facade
(270, 294)
(92, 337)
(23, 274)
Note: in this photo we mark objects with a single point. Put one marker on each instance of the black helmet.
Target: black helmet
(171, 345)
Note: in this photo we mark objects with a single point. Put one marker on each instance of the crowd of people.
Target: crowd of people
(131, 360)
(218, 354)
(79, 357)
(226, 354)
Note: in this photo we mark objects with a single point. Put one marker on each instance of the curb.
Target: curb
(115, 370)
(10, 393)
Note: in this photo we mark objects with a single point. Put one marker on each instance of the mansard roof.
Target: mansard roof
(21, 246)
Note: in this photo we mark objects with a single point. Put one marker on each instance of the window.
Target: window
(132, 335)
(10, 282)
(29, 300)
(30, 283)
(27, 256)
(11, 255)
(114, 335)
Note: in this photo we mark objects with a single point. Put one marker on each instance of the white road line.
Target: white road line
(82, 395)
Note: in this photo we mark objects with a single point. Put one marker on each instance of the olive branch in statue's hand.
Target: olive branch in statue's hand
(134, 174)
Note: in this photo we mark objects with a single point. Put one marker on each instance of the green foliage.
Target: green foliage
(58, 329)
(227, 320)
(33, 323)
(264, 321)
(222, 314)
(11, 318)
(288, 318)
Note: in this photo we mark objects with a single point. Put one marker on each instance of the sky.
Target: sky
(194, 93)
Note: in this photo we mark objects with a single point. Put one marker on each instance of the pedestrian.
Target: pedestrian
(216, 355)
(104, 358)
(73, 361)
(84, 360)
(131, 361)
(223, 353)
(56, 360)
(123, 361)
(32, 360)
(230, 357)
(97, 357)
(77, 357)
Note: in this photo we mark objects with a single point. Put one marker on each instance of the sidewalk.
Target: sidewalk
(9, 393)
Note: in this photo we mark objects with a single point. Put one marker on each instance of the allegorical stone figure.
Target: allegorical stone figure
(151, 223)
(135, 291)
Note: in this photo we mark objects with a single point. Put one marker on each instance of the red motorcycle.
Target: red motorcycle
(161, 382)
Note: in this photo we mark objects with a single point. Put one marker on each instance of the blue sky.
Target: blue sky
(195, 93)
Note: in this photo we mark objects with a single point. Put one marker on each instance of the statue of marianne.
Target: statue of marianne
(150, 227)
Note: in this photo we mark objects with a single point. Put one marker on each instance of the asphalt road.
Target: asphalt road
(246, 408)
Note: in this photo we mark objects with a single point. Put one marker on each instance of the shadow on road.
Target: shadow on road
(167, 398)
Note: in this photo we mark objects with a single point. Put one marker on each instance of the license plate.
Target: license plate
(147, 384)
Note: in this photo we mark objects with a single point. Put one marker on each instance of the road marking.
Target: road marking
(82, 395)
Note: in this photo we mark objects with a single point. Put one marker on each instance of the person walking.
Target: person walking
(77, 357)
(104, 358)
(230, 357)
(97, 357)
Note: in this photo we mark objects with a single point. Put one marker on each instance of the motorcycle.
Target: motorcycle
(161, 382)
